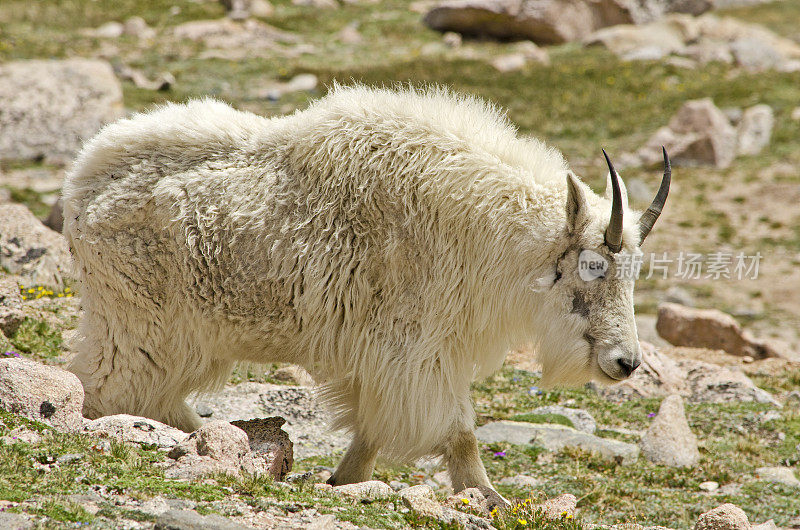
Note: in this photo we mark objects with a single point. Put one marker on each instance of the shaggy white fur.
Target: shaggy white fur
(396, 243)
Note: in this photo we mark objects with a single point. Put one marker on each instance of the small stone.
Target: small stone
(678, 295)
(15, 521)
(203, 410)
(424, 506)
(755, 129)
(559, 507)
(669, 441)
(396, 485)
(137, 27)
(69, 458)
(509, 62)
(520, 481)
(767, 525)
(782, 475)
(725, 517)
(470, 497)
(371, 490)
(452, 39)
(422, 490)
(138, 430)
(109, 30)
(796, 114)
(216, 447)
(793, 398)
(709, 486)
(293, 374)
(21, 435)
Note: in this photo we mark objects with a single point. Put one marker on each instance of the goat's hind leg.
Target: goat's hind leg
(358, 463)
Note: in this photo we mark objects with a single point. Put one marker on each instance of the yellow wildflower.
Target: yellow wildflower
(66, 290)
(23, 297)
(31, 290)
(523, 522)
(465, 501)
(493, 512)
(60, 295)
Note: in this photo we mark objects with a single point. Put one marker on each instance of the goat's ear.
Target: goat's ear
(576, 202)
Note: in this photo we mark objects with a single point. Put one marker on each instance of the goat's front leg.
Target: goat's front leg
(466, 469)
(357, 464)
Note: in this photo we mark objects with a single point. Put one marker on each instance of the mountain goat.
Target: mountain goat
(395, 243)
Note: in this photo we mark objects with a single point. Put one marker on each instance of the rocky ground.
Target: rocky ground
(705, 435)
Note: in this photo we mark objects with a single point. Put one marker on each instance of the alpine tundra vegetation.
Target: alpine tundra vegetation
(395, 243)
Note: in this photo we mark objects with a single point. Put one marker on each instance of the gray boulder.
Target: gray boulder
(191, 520)
(555, 438)
(30, 249)
(43, 393)
(669, 441)
(51, 107)
(216, 447)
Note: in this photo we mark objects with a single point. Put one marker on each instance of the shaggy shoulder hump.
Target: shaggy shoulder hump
(457, 120)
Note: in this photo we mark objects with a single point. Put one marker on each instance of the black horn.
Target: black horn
(614, 230)
(648, 218)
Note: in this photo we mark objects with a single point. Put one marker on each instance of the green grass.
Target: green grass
(38, 339)
(543, 418)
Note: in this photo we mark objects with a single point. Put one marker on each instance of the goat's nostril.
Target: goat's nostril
(628, 366)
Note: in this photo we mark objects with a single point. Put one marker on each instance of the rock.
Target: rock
(709, 486)
(350, 34)
(559, 507)
(109, 30)
(293, 374)
(138, 430)
(424, 506)
(318, 4)
(270, 445)
(549, 21)
(782, 475)
(581, 419)
(710, 328)
(669, 441)
(509, 62)
(520, 481)
(452, 39)
(767, 525)
(471, 498)
(30, 249)
(15, 521)
(164, 81)
(658, 375)
(216, 447)
(678, 295)
(755, 129)
(710, 383)
(793, 398)
(372, 490)
(203, 410)
(299, 83)
(796, 114)
(420, 490)
(191, 520)
(42, 393)
(650, 42)
(51, 107)
(556, 437)
(242, 9)
(755, 55)
(11, 315)
(55, 219)
(226, 34)
(137, 27)
(306, 421)
(725, 517)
